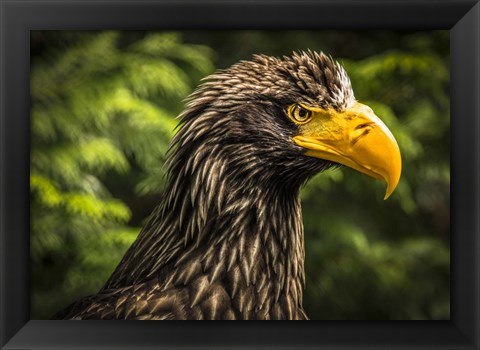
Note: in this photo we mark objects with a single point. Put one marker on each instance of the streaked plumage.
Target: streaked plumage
(226, 241)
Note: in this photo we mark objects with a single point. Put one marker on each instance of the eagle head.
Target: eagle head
(284, 120)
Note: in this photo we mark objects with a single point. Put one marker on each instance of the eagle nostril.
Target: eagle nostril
(360, 131)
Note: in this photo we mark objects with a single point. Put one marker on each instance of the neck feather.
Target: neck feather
(231, 223)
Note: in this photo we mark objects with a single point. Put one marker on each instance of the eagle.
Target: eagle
(226, 241)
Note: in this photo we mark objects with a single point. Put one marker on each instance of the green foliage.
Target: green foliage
(103, 109)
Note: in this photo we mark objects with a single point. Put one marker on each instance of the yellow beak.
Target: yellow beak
(356, 138)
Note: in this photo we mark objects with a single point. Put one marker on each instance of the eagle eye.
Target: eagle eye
(299, 114)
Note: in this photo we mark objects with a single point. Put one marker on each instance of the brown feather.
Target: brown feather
(226, 241)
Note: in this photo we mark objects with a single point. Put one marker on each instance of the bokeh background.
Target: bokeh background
(103, 107)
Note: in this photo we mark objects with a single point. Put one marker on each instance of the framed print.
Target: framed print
(279, 92)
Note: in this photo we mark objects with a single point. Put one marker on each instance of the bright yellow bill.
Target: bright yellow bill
(356, 138)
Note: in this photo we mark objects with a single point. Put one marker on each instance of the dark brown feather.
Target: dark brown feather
(226, 241)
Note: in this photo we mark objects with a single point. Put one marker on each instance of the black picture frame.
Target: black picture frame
(461, 17)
